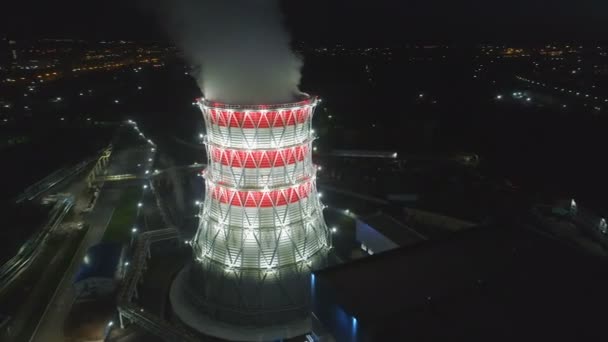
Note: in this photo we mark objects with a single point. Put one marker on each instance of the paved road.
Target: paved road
(50, 327)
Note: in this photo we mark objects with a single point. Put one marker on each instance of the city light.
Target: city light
(139, 205)
(498, 97)
(334, 229)
(133, 230)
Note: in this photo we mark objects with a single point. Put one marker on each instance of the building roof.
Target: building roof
(100, 261)
(398, 232)
(485, 282)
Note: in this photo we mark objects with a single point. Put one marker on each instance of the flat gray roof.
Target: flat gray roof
(500, 278)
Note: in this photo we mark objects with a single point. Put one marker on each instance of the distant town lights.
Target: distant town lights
(498, 97)
(134, 230)
(139, 205)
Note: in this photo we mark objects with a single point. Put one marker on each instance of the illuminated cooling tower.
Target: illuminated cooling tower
(261, 224)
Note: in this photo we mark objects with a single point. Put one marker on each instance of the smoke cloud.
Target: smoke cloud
(239, 49)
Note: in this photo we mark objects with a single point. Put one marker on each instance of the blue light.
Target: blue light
(354, 322)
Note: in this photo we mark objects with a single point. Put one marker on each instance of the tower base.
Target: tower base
(188, 307)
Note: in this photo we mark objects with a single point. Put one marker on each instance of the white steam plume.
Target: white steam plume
(239, 48)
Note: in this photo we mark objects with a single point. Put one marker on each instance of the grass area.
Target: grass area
(119, 228)
(158, 277)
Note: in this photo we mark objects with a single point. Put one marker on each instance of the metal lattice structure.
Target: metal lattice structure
(261, 227)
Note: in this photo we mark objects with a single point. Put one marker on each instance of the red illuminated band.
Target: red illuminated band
(258, 159)
(259, 119)
(262, 199)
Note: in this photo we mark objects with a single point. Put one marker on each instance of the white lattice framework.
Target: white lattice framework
(261, 211)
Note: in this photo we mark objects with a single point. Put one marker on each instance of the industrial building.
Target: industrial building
(381, 232)
(486, 284)
(99, 272)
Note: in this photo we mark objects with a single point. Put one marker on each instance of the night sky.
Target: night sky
(330, 21)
